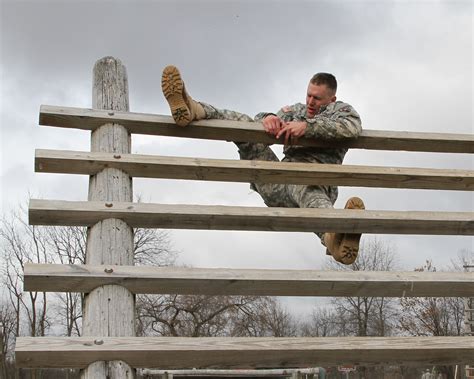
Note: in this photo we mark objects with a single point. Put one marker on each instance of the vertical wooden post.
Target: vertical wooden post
(110, 310)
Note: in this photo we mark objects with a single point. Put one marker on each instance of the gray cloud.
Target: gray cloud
(400, 71)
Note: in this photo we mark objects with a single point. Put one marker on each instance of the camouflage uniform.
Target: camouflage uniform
(337, 120)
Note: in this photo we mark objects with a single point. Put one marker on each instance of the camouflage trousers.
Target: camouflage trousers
(276, 195)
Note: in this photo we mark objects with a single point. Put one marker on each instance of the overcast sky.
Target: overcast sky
(404, 65)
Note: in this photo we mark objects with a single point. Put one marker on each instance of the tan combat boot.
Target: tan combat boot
(344, 247)
(183, 108)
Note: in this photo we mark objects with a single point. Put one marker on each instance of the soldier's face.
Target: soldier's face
(316, 97)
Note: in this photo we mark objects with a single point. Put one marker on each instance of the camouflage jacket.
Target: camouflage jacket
(337, 120)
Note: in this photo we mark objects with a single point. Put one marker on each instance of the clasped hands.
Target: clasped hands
(292, 130)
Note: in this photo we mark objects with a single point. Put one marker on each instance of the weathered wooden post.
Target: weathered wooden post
(110, 310)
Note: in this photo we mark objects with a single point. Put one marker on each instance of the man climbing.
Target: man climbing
(322, 117)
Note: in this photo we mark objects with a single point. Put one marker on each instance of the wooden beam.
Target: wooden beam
(252, 373)
(222, 352)
(220, 281)
(182, 216)
(152, 124)
(150, 166)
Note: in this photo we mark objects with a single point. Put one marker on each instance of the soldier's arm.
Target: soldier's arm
(344, 122)
(272, 123)
(260, 116)
(287, 113)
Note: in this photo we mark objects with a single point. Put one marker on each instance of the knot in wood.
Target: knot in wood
(110, 113)
(109, 270)
(98, 342)
(117, 156)
(109, 205)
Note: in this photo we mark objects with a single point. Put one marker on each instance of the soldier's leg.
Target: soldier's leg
(344, 247)
(274, 195)
(247, 150)
(183, 108)
(313, 197)
(223, 114)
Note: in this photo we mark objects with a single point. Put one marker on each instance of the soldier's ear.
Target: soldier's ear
(333, 99)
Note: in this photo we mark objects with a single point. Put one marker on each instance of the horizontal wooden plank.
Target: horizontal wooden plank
(183, 216)
(149, 166)
(224, 281)
(215, 352)
(241, 373)
(141, 123)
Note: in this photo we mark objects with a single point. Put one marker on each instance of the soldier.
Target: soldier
(322, 117)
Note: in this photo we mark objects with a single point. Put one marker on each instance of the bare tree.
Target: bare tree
(367, 316)
(323, 322)
(34, 313)
(68, 246)
(431, 316)
(186, 315)
(22, 244)
(263, 316)
(153, 247)
(363, 316)
(192, 315)
(7, 337)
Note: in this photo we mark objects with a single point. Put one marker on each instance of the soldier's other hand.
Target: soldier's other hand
(272, 124)
(292, 131)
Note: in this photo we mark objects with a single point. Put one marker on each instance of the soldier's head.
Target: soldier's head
(321, 91)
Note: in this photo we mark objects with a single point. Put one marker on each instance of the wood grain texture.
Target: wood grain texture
(109, 310)
(140, 123)
(225, 281)
(234, 373)
(216, 352)
(149, 166)
(182, 216)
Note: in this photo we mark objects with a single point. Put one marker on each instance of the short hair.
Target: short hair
(324, 78)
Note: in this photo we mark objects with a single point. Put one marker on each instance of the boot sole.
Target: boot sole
(173, 88)
(349, 247)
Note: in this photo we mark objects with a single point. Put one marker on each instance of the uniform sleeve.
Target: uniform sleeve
(342, 122)
(287, 113)
(260, 116)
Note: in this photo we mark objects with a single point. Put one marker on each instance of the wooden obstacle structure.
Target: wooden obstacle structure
(109, 348)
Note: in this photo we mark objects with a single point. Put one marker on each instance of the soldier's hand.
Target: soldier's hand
(272, 124)
(292, 131)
